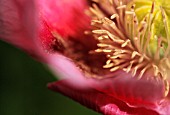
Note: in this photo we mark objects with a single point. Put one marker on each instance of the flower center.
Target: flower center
(135, 37)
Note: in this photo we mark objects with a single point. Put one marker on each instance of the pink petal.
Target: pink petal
(21, 26)
(47, 40)
(65, 68)
(67, 17)
(97, 100)
(23, 22)
(146, 92)
(164, 107)
(18, 23)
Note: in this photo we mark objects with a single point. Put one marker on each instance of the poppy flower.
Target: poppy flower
(117, 65)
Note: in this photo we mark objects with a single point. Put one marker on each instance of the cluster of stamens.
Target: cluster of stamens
(127, 41)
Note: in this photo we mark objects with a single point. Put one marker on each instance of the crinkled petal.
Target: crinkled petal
(97, 100)
(145, 92)
(134, 93)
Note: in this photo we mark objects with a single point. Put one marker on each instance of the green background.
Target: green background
(23, 88)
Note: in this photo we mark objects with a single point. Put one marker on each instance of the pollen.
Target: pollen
(134, 35)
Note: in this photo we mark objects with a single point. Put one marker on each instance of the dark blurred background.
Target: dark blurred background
(23, 88)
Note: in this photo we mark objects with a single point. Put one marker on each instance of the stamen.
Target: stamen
(129, 67)
(130, 12)
(157, 57)
(121, 10)
(107, 50)
(103, 45)
(122, 56)
(108, 65)
(99, 31)
(144, 26)
(127, 38)
(111, 1)
(137, 42)
(143, 71)
(98, 50)
(108, 62)
(114, 27)
(156, 69)
(125, 43)
(135, 54)
(121, 7)
(166, 88)
(114, 38)
(114, 16)
(167, 62)
(96, 11)
(167, 31)
(137, 67)
(118, 67)
(114, 68)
